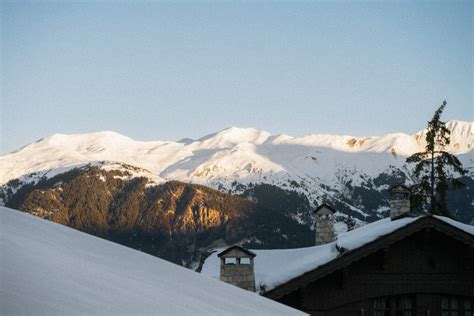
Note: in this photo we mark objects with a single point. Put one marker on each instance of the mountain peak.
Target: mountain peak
(234, 135)
(105, 137)
(461, 126)
(230, 153)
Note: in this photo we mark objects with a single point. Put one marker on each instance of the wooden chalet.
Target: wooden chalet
(404, 265)
(423, 268)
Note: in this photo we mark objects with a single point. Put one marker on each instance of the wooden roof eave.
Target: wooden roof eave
(333, 210)
(249, 253)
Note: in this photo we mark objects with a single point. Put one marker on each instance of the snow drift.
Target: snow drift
(50, 269)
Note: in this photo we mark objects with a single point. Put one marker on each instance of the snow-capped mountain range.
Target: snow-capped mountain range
(318, 165)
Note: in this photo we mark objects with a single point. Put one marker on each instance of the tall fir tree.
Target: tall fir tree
(435, 168)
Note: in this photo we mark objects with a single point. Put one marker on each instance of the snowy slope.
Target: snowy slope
(277, 266)
(50, 269)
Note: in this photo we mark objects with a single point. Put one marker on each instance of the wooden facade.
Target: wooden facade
(424, 268)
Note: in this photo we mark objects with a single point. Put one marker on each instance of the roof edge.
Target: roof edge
(325, 205)
(250, 253)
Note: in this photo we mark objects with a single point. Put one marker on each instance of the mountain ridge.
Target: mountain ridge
(174, 220)
(61, 150)
(351, 172)
(141, 194)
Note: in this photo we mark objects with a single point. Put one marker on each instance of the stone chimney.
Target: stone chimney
(324, 224)
(399, 201)
(237, 267)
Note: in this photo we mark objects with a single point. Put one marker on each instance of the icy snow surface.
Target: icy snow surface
(275, 267)
(49, 269)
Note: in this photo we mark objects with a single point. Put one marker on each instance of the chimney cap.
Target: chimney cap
(326, 206)
(241, 249)
(399, 188)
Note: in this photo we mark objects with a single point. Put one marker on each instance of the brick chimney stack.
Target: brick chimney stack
(237, 267)
(399, 201)
(324, 224)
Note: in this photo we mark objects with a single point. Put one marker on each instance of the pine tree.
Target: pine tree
(435, 167)
(350, 222)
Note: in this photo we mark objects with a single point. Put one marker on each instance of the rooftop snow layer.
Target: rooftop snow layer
(51, 269)
(275, 267)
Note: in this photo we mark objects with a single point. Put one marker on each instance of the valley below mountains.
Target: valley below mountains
(178, 200)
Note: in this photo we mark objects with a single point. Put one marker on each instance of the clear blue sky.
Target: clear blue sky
(161, 70)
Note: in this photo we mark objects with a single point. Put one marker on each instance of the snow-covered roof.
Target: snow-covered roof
(275, 267)
(51, 269)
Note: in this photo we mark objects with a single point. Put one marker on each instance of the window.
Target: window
(457, 306)
(449, 306)
(230, 261)
(381, 306)
(244, 260)
(468, 310)
(402, 305)
(405, 306)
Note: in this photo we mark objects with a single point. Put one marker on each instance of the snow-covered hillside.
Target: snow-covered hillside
(49, 269)
(234, 153)
(319, 166)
